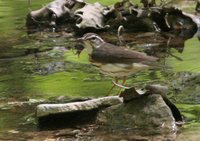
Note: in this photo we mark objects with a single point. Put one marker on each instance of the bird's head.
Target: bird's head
(91, 40)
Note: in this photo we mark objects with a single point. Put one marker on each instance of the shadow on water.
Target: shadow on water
(43, 66)
(61, 121)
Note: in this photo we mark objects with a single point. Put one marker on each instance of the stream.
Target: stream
(42, 67)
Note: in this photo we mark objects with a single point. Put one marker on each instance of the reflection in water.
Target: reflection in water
(105, 136)
(192, 135)
(11, 84)
(188, 57)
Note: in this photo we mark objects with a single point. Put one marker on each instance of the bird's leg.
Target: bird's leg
(120, 85)
(123, 82)
(114, 82)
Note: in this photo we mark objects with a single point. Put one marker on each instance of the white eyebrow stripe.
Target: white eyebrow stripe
(100, 38)
(91, 36)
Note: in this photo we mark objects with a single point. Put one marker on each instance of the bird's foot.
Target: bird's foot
(120, 86)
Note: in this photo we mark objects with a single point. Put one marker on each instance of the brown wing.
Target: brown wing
(109, 53)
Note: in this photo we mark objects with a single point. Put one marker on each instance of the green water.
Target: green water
(55, 72)
(189, 57)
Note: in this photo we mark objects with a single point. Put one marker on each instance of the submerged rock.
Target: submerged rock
(147, 114)
(185, 88)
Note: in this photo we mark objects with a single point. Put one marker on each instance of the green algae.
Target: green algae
(70, 84)
(190, 112)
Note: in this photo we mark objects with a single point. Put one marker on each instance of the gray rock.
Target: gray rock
(157, 89)
(91, 15)
(147, 114)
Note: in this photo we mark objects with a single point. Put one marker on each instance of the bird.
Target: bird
(115, 61)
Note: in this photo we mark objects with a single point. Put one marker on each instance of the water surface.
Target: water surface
(42, 66)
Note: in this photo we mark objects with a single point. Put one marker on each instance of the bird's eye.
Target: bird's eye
(93, 38)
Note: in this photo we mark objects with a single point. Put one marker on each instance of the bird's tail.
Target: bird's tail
(154, 63)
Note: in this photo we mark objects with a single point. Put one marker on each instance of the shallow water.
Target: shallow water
(42, 66)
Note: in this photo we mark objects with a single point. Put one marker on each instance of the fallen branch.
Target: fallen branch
(48, 109)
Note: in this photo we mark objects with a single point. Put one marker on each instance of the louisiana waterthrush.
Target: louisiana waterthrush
(115, 61)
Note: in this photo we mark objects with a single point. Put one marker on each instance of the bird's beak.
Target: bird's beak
(80, 39)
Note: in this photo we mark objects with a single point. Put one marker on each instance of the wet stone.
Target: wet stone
(147, 114)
